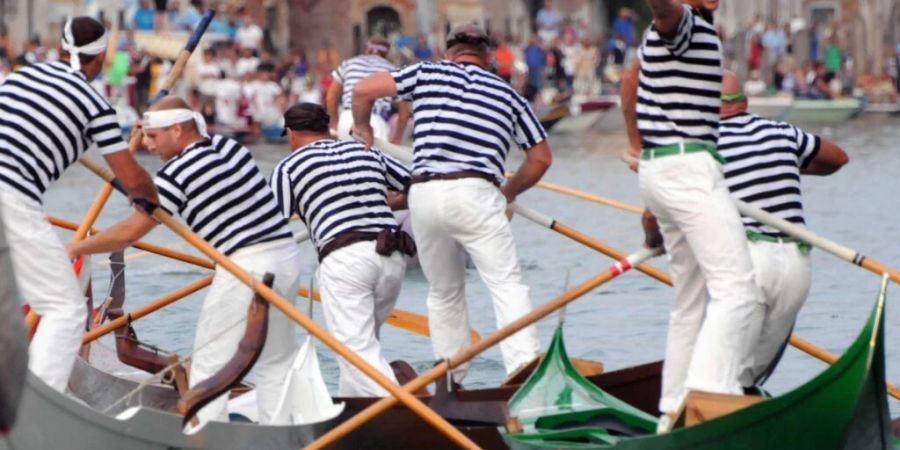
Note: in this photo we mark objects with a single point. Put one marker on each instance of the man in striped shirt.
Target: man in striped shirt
(715, 320)
(49, 116)
(340, 93)
(340, 191)
(764, 160)
(466, 118)
(213, 183)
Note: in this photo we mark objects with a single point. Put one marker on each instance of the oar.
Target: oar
(585, 196)
(845, 253)
(155, 305)
(135, 141)
(548, 222)
(439, 370)
(399, 318)
(289, 310)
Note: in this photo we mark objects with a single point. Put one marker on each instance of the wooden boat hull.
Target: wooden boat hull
(845, 408)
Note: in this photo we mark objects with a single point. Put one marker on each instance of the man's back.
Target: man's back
(466, 118)
(49, 116)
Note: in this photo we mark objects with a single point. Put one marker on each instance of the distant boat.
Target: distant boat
(823, 111)
(775, 108)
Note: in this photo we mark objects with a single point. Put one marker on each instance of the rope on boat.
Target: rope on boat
(161, 375)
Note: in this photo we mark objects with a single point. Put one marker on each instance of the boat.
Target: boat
(845, 407)
(585, 113)
(775, 108)
(823, 111)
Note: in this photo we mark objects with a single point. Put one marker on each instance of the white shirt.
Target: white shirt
(249, 37)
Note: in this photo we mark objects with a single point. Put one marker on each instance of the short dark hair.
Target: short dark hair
(306, 117)
(468, 38)
(84, 31)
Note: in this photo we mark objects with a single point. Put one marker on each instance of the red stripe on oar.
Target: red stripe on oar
(621, 266)
(77, 265)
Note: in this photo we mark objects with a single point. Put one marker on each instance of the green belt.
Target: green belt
(681, 148)
(755, 236)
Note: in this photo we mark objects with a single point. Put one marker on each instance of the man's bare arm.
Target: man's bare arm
(332, 101)
(628, 98)
(830, 158)
(537, 161)
(116, 237)
(135, 180)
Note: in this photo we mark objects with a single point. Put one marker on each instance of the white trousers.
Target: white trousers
(222, 323)
(46, 281)
(359, 289)
(783, 275)
(380, 128)
(450, 218)
(716, 318)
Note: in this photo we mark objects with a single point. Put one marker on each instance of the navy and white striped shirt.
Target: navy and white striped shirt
(680, 84)
(216, 187)
(466, 118)
(763, 165)
(354, 69)
(338, 186)
(50, 116)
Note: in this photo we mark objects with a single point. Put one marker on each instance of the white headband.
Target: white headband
(91, 48)
(168, 117)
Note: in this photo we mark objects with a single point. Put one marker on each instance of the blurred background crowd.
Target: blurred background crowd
(259, 55)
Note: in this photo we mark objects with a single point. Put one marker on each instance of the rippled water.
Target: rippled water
(624, 322)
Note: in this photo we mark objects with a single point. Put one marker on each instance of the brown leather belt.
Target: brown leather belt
(387, 242)
(454, 176)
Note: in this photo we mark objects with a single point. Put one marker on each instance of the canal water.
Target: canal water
(623, 323)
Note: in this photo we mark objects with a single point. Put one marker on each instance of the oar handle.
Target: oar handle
(108, 176)
(184, 55)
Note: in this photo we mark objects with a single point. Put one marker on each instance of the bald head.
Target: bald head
(169, 102)
(733, 100)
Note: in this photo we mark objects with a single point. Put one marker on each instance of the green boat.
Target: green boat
(845, 407)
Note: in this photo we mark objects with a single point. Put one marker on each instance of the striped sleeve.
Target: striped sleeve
(681, 41)
(104, 131)
(807, 146)
(397, 173)
(529, 131)
(284, 192)
(171, 196)
(406, 79)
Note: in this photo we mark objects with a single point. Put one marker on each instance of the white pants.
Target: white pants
(716, 318)
(47, 282)
(380, 128)
(359, 289)
(222, 323)
(783, 276)
(450, 218)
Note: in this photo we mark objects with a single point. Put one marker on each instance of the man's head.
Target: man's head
(733, 99)
(170, 126)
(378, 46)
(706, 8)
(468, 42)
(84, 43)
(305, 123)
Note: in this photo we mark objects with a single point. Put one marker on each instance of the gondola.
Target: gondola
(845, 407)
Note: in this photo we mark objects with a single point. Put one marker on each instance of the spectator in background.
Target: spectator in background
(624, 26)
(504, 59)
(249, 35)
(536, 60)
(754, 86)
(144, 16)
(159, 20)
(172, 15)
(586, 59)
(246, 64)
(231, 105)
(206, 75)
(423, 51)
(815, 36)
(555, 59)
(190, 17)
(549, 22)
(220, 23)
(139, 68)
(754, 59)
(833, 58)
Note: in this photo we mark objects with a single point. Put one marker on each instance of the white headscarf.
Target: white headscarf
(91, 48)
(168, 117)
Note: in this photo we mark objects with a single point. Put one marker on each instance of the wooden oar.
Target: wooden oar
(439, 370)
(548, 222)
(585, 196)
(135, 141)
(289, 310)
(399, 318)
(845, 253)
(155, 305)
